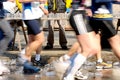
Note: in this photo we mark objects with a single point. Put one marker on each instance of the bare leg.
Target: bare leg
(37, 43)
(115, 44)
(39, 49)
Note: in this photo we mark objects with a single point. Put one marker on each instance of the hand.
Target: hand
(42, 1)
(11, 0)
(118, 0)
(89, 12)
(41, 5)
(67, 10)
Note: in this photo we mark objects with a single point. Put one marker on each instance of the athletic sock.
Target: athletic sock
(22, 52)
(77, 63)
(99, 60)
(37, 57)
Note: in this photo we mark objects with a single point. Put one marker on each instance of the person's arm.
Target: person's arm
(11, 0)
(89, 12)
(86, 3)
(42, 7)
(118, 0)
(25, 1)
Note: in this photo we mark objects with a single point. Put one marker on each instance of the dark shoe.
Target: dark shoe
(64, 47)
(36, 63)
(48, 46)
(28, 68)
(15, 48)
(42, 62)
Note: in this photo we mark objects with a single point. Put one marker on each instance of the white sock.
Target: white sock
(37, 57)
(77, 63)
(100, 60)
(23, 51)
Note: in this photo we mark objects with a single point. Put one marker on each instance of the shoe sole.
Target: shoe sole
(99, 67)
(84, 77)
(103, 67)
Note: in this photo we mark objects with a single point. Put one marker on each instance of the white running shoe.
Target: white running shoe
(64, 58)
(70, 77)
(61, 67)
(3, 69)
(80, 75)
(20, 61)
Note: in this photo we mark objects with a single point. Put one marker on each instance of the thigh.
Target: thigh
(90, 44)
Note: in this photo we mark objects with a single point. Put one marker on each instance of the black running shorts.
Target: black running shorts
(79, 22)
(33, 26)
(105, 26)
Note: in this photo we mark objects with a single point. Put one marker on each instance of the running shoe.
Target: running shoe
(48, 46)
(62, 59)
(103, 65)
(28, 68)
(60, 67)
(80, 75)
(69, 78)
(3, 69)
(20, 61)
(35, 62)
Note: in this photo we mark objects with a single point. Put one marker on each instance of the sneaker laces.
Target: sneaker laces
(79, 75)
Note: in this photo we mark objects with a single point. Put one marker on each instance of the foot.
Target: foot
(69, 78)
(61, 67)
(21, 60)
(64, 47)
(80, 75)
(48, 46)
(36, 62)
(28, 68)
(64, 58)
(3, 69)
(103, 65)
